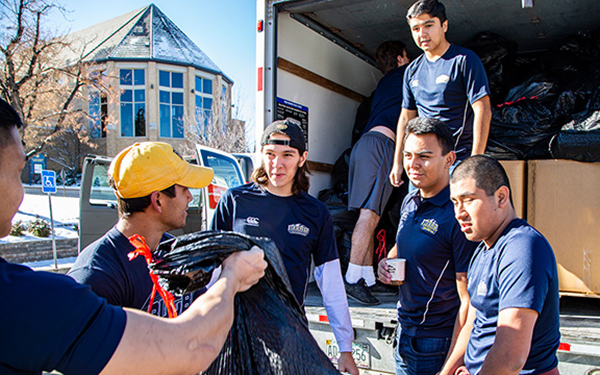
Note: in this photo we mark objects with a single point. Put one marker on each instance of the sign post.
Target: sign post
(49, 187)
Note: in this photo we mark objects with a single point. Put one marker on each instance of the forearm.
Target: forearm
(460, 339)
(184, 345)
(329, 280)
(482, 117)
(405, 116)
(457, 351)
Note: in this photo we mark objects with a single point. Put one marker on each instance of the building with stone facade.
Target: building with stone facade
(165, 88)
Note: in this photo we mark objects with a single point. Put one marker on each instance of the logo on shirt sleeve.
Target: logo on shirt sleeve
(430, 226)
(298, 229)
(414, 83)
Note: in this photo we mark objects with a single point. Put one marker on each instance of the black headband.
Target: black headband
(282, 142)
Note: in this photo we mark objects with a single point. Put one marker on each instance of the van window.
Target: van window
(101, 193)
(226, 169)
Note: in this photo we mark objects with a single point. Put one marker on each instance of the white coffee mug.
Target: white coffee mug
(396, 267)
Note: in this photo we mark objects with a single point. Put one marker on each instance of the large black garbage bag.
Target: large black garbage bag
(579, 139)
(498, 56)
(270, 333)
(523, 125)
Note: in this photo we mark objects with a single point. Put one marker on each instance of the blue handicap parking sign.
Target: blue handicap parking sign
(48, 181)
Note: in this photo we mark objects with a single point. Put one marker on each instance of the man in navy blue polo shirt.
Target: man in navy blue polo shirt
(50, 322)
(446, 82)
(433, 300)
(513, 320)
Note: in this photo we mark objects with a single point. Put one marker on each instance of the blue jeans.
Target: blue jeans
(420, 355)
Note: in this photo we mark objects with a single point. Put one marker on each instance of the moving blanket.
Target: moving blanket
(270, 332)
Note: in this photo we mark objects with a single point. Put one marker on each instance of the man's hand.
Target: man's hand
(396, 174)
(462, 370)
(247, 267)
(346, 363)
(383, 272)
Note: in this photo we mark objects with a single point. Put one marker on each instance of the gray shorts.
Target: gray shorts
(371, 161)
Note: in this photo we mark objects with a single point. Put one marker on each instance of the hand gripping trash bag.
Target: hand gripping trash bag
(270, 333)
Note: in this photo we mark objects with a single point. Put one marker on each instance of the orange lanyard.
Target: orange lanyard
(142, 249)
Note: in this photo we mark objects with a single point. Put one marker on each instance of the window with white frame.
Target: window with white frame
(204, 100)
(133, 102)
(98, 111)
(170, 97)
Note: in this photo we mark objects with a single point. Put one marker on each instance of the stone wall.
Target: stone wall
(31, 251)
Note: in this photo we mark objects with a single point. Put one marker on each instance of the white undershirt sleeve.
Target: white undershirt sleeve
(329, 280)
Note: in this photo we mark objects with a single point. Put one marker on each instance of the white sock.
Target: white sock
(354, 273)
(369, 275)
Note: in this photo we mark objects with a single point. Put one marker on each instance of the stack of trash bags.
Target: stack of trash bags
(270, 332)
(543, 105)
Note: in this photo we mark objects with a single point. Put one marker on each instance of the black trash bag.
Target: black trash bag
(498, 56)
(339, 174)
(521, 131)
(523, 125)
(270, 332)
(362, 118)
(579, 139)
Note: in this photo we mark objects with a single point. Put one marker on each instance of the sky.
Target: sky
(224, 29)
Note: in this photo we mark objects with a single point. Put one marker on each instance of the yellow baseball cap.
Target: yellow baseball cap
(145, 167)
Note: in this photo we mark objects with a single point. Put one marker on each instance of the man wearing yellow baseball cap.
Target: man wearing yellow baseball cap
(152, 184)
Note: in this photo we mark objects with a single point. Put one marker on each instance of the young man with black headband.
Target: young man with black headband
(277, 205)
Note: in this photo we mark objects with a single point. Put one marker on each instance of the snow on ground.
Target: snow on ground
(65, 211)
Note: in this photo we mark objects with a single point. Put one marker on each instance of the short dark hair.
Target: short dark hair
(423, 125)
(128, 206)
(488, 173)
(387, 53)
(9, 118)
(431, 7)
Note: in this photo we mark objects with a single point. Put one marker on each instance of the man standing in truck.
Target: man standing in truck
(370, 161)
(277, 205)
(513, 320)
(446, 82)
(433, 300)
(79, 333)
(152, 184)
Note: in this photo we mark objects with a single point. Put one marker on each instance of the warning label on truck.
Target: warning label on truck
(298, 112)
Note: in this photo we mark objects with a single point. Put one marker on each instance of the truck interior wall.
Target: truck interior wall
(330, 114)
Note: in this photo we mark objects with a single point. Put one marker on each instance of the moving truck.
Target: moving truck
(315, 63)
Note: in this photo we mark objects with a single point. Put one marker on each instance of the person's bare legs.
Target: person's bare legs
(361, 252)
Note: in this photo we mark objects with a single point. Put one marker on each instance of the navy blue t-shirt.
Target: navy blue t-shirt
(51, 322)
(300, 225)
(387, 101)
(444, 89)
(519, 270)
(105, 267)
(435, 249)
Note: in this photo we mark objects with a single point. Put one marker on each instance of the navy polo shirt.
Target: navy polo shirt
(387, 101)
(51, 322)
(104, 265)
(435, 249)
(444, 89)
(519, 270)
(300, 225)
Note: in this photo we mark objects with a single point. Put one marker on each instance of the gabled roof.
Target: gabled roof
(145, 34)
